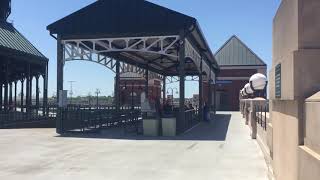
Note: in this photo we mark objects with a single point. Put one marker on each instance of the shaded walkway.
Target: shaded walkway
(216, 131)
(220, 151)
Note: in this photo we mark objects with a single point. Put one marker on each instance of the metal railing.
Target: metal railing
(86, 118)
(21, 119)
(191, 119)
(261, 114)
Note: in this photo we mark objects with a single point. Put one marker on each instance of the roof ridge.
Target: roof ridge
(243, 44)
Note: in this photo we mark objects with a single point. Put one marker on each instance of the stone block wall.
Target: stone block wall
(309, 153)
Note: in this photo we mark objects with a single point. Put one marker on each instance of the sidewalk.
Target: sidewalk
(222, 151)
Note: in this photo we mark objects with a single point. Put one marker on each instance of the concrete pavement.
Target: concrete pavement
(222, 150)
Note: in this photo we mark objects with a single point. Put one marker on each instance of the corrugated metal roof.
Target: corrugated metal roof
(11, 38)
(235, 52)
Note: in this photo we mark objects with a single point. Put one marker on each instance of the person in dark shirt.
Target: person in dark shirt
(191, 107)
(205, 112)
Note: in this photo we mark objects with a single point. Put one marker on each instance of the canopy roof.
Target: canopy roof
(103, 20)
(235, 53)
(16, 46)
(17, 53)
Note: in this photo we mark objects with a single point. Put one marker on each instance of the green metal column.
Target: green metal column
(164, 90)
(37, 92)
(181, 117)
(1, 96)
(147, 83)
(10, 96)
(117, 86)
(28, 89)
(15, 95)
(215, 97)
(45, 92)
(201, 92)
(6, 86)
(59, 67)
(59, 124)
(22, 95)
(210, 91)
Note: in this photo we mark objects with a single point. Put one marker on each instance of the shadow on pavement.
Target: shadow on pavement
(214, 131)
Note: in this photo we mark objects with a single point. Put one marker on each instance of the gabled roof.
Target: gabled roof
(130, 18)
(119, 18)
(14, 42)
(235, 53)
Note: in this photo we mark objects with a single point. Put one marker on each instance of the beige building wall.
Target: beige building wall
(285, 37)
(296, 46)
(309, 153)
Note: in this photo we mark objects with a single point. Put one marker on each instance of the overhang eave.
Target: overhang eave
(12, 54)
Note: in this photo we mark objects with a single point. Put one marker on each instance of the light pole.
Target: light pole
(71, 90)
(89, 98)
(172, 92)
(97, 93)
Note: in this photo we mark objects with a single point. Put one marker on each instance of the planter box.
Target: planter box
(169, 126)
(151, 127)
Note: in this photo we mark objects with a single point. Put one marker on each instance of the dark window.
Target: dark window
(278, 81)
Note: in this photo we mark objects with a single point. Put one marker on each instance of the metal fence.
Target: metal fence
(19, 119)
(86, 118)
(191, 119)
(261, 114)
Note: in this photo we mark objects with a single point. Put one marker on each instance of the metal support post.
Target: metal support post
(60, 64)
(201, 113)
(117, 86)
(181, 117)
(22, 95)
(164, 90)
(15, 96)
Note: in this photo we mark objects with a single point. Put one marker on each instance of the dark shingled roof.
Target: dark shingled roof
(14, 42)
(235, 53)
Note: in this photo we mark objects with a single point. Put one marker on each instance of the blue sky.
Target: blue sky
(250, 20)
